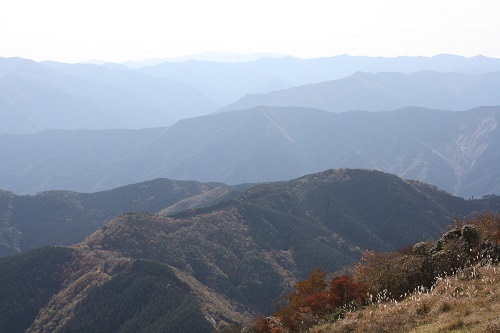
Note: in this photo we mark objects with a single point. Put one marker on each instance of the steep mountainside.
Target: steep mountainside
(237, 257)
(385, 91)
(456, 151)
(65, 218)
(69, 290)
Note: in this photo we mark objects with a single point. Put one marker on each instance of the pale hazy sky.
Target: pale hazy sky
(119, 30)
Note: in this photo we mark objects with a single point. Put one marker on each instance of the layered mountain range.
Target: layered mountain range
(457, 151)
(229, 81)
(385, 91)
(109, 244)
(36, 96)
(235, 256)
(50, 95)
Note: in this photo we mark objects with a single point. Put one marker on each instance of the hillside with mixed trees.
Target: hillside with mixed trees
(58, 289)
(236, 257)
(65, 218)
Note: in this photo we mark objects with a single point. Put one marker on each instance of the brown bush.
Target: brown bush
(391, 274)
(488, 225)
(260, 325)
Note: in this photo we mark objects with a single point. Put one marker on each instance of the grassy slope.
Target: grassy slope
(468, 302)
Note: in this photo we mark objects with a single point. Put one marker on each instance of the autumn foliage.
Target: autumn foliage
(312, 299)
(388, 276)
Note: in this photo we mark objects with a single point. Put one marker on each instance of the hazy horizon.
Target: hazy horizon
(123, 31)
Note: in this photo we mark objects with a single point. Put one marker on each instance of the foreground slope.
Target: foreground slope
(460, 304)
(447, 285)
(456, 151)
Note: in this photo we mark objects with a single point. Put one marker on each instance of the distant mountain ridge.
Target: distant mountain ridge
(50, 95)
(385, 91)
(39, 96)
(178, 100)
(226, 82)
(204, 56)
(305, 71)
(456, 151)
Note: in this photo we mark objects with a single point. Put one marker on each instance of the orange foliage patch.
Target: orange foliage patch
(311, 299)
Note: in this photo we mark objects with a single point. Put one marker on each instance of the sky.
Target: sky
(121, 30)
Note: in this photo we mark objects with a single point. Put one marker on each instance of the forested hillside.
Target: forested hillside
(58, 289)
(237, 257)
(65, 218)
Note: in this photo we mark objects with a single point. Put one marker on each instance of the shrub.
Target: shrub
(311, 300)
(345, 292)
(465, 243)
(390, 274)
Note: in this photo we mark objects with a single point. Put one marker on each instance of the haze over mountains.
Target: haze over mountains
(51, 95)
(36, 96)
(408, 144)
(385, 91)
(226, 82)
(455, 150)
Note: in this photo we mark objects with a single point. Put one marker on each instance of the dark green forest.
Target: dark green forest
(27, 282)
(147, 299)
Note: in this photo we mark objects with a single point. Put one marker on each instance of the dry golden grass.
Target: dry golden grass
(467, 302)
